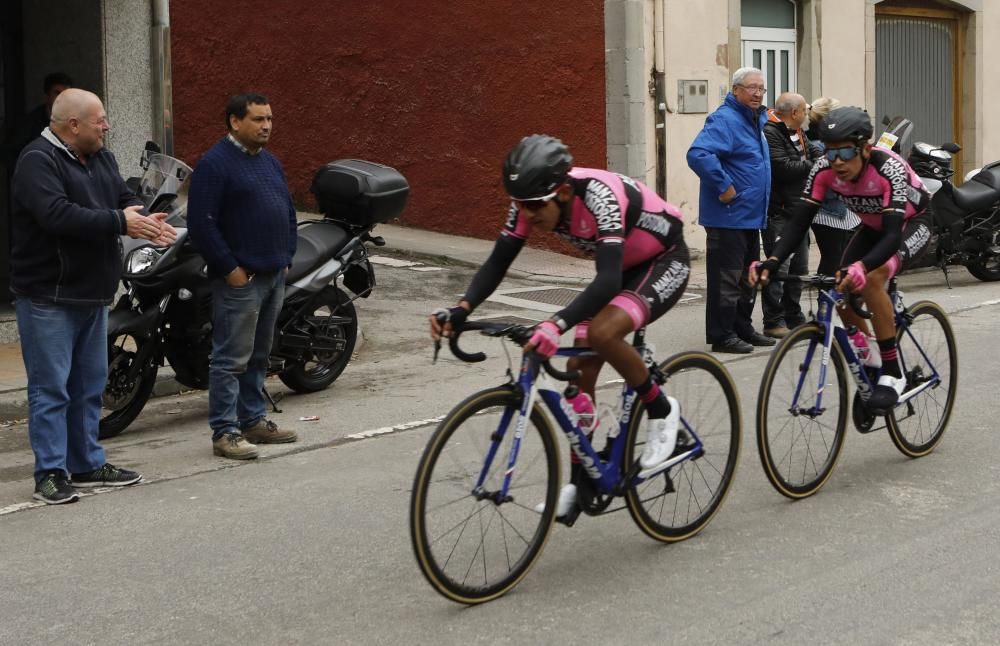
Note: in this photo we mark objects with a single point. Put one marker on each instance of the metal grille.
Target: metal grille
(560, 296)
(915, 75)
(512, 320)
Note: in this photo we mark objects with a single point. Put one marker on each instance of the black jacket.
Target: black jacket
(788, 171)
(65, 224)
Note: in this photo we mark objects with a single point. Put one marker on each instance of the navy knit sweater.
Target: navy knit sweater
(240, 212)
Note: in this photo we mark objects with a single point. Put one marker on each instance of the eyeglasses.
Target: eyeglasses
(536, 203)
(846, 154)
(753, 89)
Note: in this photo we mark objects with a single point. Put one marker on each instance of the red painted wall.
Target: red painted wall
(439, 89)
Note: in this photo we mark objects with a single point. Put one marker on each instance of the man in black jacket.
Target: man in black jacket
(790, 165)
(70, 204)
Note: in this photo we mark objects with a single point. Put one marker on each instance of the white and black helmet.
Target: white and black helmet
(536, 167)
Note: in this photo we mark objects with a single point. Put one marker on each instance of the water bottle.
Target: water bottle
(583, 406)
(867, 349)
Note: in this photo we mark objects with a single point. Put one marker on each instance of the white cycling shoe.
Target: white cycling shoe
(887, 392)
(566, 503)
(661, 437)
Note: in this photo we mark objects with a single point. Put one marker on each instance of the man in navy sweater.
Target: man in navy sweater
(241, 217)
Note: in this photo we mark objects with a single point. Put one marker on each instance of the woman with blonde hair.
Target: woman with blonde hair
(835, 223)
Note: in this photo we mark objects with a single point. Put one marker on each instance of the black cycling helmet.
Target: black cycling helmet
(536, 167)
(846, 124)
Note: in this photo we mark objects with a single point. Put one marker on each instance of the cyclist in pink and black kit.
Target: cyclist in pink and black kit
(642, 262)
(892, 203)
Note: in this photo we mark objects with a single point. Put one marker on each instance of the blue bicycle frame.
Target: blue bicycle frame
(607, 476)
(828, 300)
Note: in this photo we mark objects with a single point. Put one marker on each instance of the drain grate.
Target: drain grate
(561, 296)
(510, 320)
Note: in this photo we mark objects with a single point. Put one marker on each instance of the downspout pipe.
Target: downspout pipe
(163, 119)
(660, 97)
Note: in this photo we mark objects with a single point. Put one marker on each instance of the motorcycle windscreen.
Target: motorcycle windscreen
(896, 136)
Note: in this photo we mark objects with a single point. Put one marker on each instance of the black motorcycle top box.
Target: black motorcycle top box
(360, 193)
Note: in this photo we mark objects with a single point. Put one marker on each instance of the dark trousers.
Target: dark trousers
(780, 300)
(729, 301)
(831, 243)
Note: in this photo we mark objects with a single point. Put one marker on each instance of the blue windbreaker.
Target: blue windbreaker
(731, 151)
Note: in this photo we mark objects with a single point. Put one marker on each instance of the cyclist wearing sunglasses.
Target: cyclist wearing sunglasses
(882, 189)
(642, 270)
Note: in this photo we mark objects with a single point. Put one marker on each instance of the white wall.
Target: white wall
(696, 47)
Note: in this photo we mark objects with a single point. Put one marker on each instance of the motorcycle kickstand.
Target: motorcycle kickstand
(271, 401)
(947, 278)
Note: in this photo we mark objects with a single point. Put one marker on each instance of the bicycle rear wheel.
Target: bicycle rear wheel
(926, 345)
(471, 545)
(681, 501)
(799, 445)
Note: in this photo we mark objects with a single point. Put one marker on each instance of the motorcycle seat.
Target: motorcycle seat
(975, 196)
(317, 242)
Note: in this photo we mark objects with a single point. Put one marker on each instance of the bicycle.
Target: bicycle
(802, 407)
(474, 524)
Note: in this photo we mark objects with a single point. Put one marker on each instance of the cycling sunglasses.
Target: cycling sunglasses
(536, 203)
(847, 154)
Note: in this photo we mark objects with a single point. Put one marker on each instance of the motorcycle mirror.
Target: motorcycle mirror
(886, 120)
(951, 147)
(161, 202)
(152, 146)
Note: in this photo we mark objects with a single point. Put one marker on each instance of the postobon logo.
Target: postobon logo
(674, 277)
(600, 201)
(895, 173)
(512, 216)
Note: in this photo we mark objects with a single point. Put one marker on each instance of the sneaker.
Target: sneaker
(267, 432)
(567, 501)
(776, 332)
(55, 489)
(887, 392)
(758, 339)
(107, 476)
(661, 437)
(234, 446)
(732, 345)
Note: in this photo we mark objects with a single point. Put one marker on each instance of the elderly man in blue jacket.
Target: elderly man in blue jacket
(730, 155)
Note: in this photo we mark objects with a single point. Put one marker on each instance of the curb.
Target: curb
(14, 402)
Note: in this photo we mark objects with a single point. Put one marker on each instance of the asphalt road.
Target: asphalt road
(310, 545)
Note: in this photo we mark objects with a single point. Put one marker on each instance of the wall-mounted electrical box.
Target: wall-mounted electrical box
(692, 96)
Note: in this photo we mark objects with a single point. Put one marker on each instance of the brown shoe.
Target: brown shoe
(779, 332)
(267, 432)
(235, 447)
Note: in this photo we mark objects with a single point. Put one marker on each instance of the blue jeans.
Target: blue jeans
(65, 350)
(243, 320)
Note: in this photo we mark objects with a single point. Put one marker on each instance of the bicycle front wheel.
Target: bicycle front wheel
(926, 346)
(681, 501)
(799, 436)
(471, 543)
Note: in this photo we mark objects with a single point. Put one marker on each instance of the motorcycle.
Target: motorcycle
(966, 224)
(165, 315)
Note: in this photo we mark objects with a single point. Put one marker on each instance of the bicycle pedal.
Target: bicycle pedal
(569, 519)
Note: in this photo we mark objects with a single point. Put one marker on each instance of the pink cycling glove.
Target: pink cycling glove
(546, 339)
(856, 272)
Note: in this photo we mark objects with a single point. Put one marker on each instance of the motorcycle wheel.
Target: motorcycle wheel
(321, 368)
(124, 399)
(987, 270)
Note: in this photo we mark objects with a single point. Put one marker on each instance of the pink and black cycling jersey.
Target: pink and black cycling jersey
(609, 208)
(886, 184)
